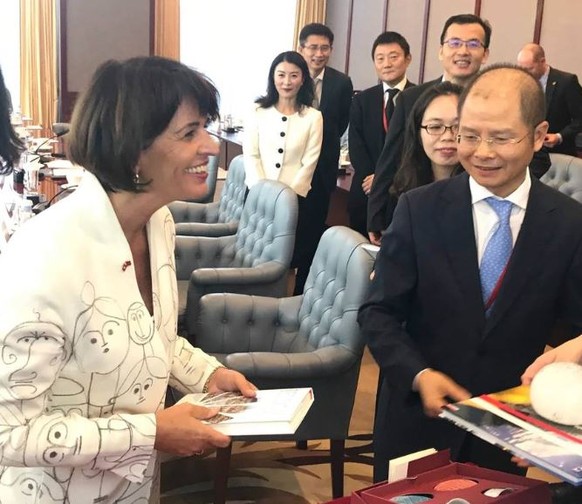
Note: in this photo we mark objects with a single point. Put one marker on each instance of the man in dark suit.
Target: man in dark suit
(441, 326)
(563, 99)
(370, 120)
(333, 97)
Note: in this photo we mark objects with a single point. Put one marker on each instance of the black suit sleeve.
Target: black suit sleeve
(573, 96)
(389, 302)
(359, 155)
(386, 167)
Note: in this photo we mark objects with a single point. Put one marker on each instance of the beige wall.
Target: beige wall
(513, 23)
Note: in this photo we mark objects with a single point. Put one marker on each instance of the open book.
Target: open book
(507, 420)
(273, 412)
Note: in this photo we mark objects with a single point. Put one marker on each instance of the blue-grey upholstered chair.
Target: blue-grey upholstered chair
(219, 218)
(565, 175)
(253, 261)
(312, 340)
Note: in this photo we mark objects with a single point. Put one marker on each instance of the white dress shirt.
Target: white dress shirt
(486, 221)
(400, 86)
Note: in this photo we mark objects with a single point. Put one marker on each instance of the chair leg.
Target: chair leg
(337, 451)
(221, 474)
(301, 445)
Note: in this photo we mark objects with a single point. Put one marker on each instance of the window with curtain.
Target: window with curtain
(228, 41)
(10, 44)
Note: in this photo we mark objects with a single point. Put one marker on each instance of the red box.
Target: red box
(427, 472)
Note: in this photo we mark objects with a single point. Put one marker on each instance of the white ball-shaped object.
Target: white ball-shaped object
(556, 393)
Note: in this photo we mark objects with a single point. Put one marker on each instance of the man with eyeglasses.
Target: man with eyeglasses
(333, 97)
(370, 118)
(472, 275)
(464, 48)
(563, 99)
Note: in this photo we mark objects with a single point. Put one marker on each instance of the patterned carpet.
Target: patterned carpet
(278, 472)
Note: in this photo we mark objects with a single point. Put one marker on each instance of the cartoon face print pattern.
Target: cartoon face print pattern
(24, 354)
(100, 336)
(23, 488)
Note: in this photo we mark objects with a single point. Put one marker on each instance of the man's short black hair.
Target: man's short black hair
(391, 37)
(463, 19)
(315, 29)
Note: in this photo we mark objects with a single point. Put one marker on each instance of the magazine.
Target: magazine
(273, 412)
(506, 419)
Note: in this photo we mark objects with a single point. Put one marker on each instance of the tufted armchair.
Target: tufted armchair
(219, 218)
(312, 340)
(565, 175)
(253, 261)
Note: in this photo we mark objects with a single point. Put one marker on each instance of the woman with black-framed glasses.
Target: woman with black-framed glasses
(430, 149)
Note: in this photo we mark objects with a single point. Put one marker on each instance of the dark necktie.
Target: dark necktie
(497, 251)
(389, 107)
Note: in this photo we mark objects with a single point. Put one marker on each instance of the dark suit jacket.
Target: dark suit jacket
(336, 98)
(425, 307)
(564, 108)
(366, 139)
(379, 207)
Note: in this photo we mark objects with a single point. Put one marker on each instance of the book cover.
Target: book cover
(271, 412)
(506, 419)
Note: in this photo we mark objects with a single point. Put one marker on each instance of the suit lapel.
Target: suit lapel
(550, 88)
(528, 253)
(458, 234)
(326, 87)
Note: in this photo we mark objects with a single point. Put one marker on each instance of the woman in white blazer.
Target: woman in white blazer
(88, 305)
(283, 135)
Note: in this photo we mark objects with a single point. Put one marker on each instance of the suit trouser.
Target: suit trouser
(310, 226)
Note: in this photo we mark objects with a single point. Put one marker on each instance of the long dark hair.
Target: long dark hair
(306, 91)
(10, 145)
(415, 167)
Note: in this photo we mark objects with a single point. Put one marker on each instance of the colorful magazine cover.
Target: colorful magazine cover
(506, 419)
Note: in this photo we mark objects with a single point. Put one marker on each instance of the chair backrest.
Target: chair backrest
(266, 231)
(335, 288)
(565, 175)
(232, 197)
(212, 169)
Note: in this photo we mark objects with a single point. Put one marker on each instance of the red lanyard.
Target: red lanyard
(495, 291)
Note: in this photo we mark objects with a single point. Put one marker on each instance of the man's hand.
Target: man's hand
(435, 389)
(551, 140)
(229, 380)
(375, 237)
(571, 351)
(179, 430)
(367, 184)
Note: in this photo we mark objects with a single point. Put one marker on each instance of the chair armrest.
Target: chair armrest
(194, 252)
(206, 229)
(268, 272)
(323, 362)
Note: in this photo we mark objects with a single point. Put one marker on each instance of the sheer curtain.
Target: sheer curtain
(38, 62)
(308, 11)
(167, 28)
